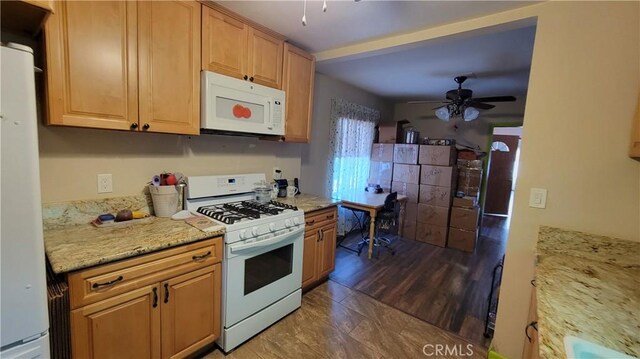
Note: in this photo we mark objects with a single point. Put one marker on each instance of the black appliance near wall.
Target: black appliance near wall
(282, 187)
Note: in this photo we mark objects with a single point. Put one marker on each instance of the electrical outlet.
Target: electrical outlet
(105, 183)
(276, 175)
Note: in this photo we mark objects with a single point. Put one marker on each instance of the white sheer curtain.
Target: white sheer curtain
(352, 132)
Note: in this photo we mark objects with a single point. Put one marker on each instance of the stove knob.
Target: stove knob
(243, 234)
(296, 221)
(272, 227)
(287, 223)
(254, 231)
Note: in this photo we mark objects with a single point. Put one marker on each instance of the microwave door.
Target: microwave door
(240, 111)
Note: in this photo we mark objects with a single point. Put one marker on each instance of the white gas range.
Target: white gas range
(262, 265)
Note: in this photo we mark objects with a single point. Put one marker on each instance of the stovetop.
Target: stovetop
(242, 211)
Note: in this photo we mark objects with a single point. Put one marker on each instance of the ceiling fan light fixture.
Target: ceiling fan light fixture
(470, 114)
(443, 113)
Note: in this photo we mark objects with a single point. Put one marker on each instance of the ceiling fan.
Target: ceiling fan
(461, 103)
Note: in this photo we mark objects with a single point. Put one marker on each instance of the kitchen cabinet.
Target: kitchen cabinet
(634, 149)
(298, 75)
(24, 16)
(531, 343)
(319, 246)
(165, 304)
(236, 47)
(148, 82)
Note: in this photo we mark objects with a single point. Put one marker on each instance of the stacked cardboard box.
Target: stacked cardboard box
(437, 179)
(381, 169)
(463, 228)
(406, 181)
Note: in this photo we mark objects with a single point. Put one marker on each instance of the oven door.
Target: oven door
(260, 273)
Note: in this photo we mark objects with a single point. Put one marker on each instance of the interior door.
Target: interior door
(190, 302)
(169, 66)
(500, 181)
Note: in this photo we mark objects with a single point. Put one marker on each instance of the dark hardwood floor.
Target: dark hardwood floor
(442, 286)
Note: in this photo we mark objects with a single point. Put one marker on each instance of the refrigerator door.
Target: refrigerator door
(23, 293)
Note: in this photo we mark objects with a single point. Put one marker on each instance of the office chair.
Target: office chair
(386, 221)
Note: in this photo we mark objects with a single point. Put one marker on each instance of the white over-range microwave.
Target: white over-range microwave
(233, 105)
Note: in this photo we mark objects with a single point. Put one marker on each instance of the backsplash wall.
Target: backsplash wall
(70, 159)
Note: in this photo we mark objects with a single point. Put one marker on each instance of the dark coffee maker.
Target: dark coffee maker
(282, 187)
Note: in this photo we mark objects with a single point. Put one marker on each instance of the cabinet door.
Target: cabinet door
(265, 58)
(531, 350)
(126, 326)
(92, 73)
(224, 43)
(298, 75)
(190, 311)
(327, 250)
(309, 258)
(169, 66)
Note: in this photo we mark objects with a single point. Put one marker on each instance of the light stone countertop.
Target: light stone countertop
(587, 286)
(309, 203)
(72, 243)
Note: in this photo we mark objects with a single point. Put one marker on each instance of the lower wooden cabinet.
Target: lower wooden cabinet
(319, 254)
(531, 344)
(634, 149)
(126, 326)
(169, 311)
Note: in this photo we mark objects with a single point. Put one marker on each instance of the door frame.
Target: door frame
(486, 165)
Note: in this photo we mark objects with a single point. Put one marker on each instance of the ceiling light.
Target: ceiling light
(470, 114)
(443, 113)
(304, 11)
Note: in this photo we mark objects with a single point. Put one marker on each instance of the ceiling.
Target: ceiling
(501, 58)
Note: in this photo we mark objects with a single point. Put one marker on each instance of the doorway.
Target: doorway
(502, 170)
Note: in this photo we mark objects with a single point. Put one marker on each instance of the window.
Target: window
(499, 146)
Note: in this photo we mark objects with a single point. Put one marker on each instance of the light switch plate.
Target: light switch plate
(538, 198)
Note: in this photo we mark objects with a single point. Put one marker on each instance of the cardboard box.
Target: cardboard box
(437, 155)
(406, 173)
(410, 212)
(382, 152)
(435, 215)
(411, 190)
(465, 202)
(469, 164)
(380, 172)
(391, 132)
(464, 218)
(435, 195)
(436, 235)
(409, 230)
(462, 239)
(469, 180)
(437, 175)
(406, 154)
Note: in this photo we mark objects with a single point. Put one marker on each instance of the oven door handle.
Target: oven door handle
(236, 248)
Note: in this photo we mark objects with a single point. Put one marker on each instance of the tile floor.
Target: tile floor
(337, 322)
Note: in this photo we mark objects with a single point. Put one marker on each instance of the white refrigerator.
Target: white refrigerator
(23, 293)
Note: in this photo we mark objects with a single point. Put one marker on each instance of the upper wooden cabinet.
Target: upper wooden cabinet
(124, 65)
(233, 46)
(634, 150)
(298, 73)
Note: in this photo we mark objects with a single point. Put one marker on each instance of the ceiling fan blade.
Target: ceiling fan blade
(426, 101)
(495, 99)
(480, 105)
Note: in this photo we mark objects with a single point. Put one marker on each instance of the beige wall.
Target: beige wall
(473, 133)
(70, 159)
(314, 155)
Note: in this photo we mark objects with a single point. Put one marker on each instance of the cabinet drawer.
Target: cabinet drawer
(320, 218)
(98, 283)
